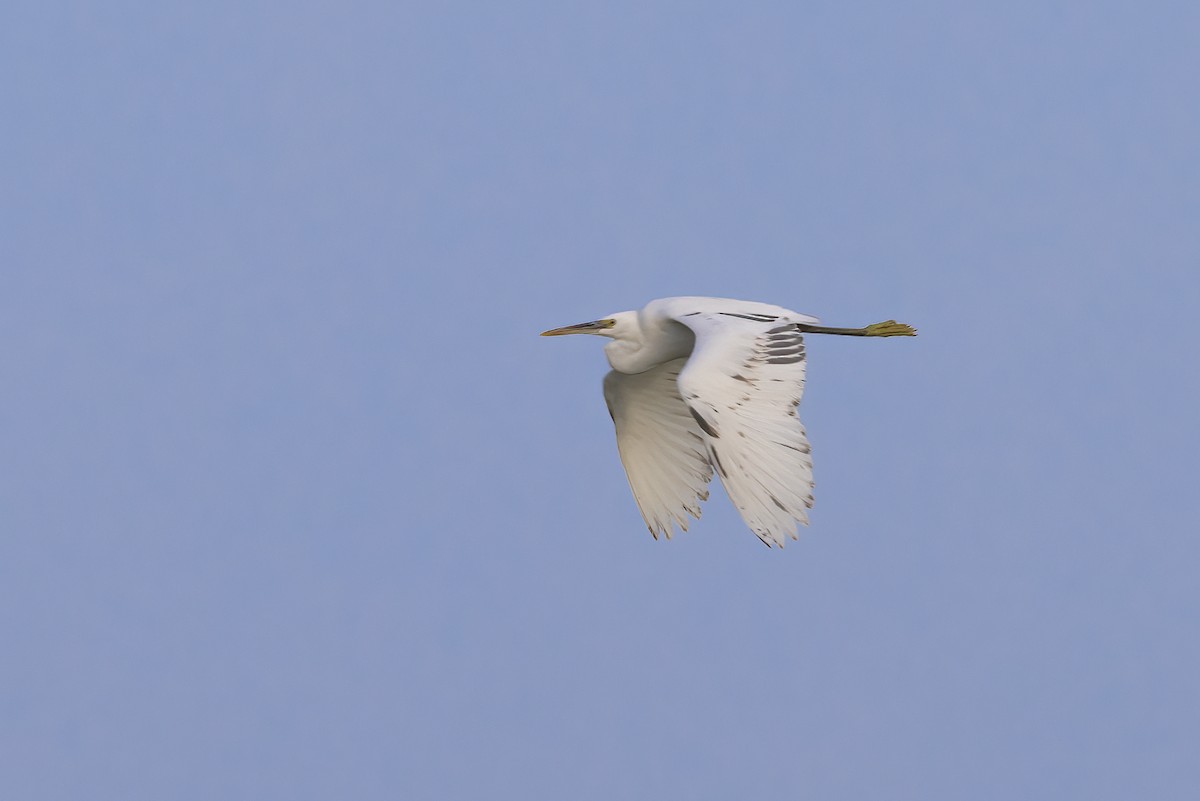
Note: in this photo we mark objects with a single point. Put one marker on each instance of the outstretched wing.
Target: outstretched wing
(742, 384)
(661, 446)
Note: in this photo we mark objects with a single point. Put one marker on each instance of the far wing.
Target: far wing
(742, 383)
(661, 446)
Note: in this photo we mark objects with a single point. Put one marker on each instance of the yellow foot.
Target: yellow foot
(889, 328)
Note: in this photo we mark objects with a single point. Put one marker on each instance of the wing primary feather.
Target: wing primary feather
(661, 446)
(744, 378)
(704, 424)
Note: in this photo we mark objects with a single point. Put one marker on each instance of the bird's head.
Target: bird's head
(614, 326)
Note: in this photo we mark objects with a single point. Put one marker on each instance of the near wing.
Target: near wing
(742, 384)
(661, 446)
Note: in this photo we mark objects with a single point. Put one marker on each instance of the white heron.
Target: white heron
(699, 384)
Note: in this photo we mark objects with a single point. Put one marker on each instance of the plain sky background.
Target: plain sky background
(295, 504)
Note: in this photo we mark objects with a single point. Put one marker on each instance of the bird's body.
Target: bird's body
(704, 384)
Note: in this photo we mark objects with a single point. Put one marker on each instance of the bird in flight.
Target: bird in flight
(704, 384)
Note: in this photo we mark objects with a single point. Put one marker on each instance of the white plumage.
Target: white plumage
(704, 384)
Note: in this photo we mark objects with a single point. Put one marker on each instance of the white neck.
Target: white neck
(639, 344)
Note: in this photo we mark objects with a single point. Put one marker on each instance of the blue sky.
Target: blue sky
(295, 504)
